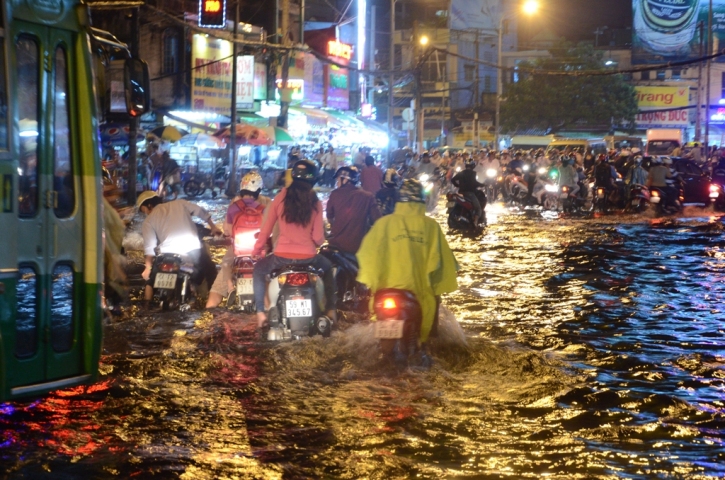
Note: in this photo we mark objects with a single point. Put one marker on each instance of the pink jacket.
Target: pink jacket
(294, 241)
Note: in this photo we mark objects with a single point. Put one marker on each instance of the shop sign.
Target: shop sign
(338, 95)
(260, 81)
(212, 13)
(297, 85)
(245, 82)
(211, 79)
(718, 116)
(672, 118)
(338, 49)
(662, 97)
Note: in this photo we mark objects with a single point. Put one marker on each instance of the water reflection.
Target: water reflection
(590, 348)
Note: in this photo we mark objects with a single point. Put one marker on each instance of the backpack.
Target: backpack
(245, 227)
(603, 174)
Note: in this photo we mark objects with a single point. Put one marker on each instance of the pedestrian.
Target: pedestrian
(329, 162)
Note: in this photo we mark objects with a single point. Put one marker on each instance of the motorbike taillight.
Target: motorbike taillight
(600, 192)
(168, 267)
(297, 279)
(564, 189)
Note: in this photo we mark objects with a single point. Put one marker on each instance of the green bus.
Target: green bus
(50, 196)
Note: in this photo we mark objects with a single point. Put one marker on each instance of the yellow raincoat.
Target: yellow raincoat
(408, 250)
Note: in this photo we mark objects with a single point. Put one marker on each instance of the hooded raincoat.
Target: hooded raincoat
(408, 250)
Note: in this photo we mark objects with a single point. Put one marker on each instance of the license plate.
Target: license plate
(654, 199)
(389, 329)
(563, 195)
(245, 286)
(299, 308)
(165, 280)
(635, 202)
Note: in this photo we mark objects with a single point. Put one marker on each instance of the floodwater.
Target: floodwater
(575, 348)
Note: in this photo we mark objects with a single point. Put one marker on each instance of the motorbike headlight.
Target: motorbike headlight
(526, 168)
(541, 171)
(458, 169)
(424, 177)
(551, 188)
(714, 191)
(491, 172)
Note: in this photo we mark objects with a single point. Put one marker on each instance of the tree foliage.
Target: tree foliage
(556, 102)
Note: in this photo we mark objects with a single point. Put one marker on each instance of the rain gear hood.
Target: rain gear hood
(408, 250)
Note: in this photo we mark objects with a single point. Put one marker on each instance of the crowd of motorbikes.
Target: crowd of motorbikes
(296, 293)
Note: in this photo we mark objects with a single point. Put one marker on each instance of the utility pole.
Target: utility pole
(391, 80)
(478, 74)
(371, 62)
(133, 124)
(707, 93)
(232, 184)
(302, 22)
(700, 27)
(284, 94)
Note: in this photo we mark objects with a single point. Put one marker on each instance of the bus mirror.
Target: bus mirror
(136, 86)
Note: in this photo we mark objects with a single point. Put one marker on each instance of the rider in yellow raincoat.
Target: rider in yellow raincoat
(409, 251)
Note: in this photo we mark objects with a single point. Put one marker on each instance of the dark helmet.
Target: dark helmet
(350, 172)
(412, 191)
(305, 170)
(470, 163)
(391, 178)
(601, 158)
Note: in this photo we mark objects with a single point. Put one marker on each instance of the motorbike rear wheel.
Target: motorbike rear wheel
(192, 188)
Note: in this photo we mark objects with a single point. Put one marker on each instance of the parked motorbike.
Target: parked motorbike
(352, 296)
(399, 320)
(296, 293)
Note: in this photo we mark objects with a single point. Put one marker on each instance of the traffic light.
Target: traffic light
(212, 13)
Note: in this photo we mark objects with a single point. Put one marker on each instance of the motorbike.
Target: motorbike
(398, 325)
(197, 184)
(663, 204)
(352, 295)
(460, 211)
(242, 296)
(172, 279)
(639, 199)
(431, 187)
(491, 184)
(296, 293)
(571, 203)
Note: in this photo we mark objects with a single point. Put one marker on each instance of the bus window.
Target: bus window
(62, 167)
(61, 308)
(3, 97)
(28, 76)
(26, 320)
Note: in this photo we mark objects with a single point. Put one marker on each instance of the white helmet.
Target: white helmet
(252, 182)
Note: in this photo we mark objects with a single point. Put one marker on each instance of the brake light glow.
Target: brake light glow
(565, 189)
(297, 279)
(389, 304)
(655, 193)
(600, 191)
(168, 267)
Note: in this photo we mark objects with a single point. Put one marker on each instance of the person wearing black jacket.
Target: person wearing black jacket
(468, 186)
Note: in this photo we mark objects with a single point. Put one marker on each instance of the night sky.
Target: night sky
(577, 19)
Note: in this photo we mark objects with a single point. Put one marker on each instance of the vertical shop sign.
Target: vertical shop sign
(245, 82)
(211, 78)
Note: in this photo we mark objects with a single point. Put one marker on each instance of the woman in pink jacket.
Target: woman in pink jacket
(299, 214)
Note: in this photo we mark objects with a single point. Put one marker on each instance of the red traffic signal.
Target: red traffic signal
(212, 13)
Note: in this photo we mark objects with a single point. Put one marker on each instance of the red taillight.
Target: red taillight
(389, 304)
(600, 191)
(565, 189)
(297, 279)
(655, 193)
(167, 267)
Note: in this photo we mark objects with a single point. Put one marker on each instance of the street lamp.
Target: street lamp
(529, 7)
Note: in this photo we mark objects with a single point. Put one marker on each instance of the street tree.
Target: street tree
(555, 102)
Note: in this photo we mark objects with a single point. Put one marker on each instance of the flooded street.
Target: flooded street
(574, 348)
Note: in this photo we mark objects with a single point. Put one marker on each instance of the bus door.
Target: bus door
(46, 344)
